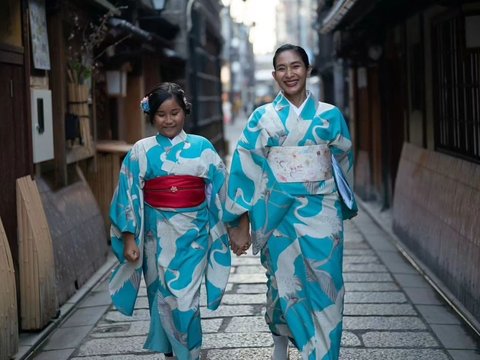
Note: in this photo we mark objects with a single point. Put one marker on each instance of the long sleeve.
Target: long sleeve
(252, 187)
(219, 257)
(248, 163)
(341, 143)
(126, 215)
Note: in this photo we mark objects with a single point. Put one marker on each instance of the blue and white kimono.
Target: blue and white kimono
(178, 246)
(295, 215)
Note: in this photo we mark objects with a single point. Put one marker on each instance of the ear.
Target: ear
(309, 70)
(273, 75)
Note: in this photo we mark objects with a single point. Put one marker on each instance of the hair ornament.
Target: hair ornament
(144, 105)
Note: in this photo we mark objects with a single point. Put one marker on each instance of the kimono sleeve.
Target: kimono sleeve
(126, 215)
(246, 171)
(219, 258)
(341, 143)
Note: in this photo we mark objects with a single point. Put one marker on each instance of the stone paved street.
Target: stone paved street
(391, 312)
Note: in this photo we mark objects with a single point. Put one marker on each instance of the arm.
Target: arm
(240, 238)
(341, 145)
(125, 209)
(130, 250)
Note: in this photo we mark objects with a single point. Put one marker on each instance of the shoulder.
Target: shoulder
(201, 141)
(260, 112)
(143, 145)
(327, 110)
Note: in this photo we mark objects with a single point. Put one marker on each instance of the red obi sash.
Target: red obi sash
(174, 191)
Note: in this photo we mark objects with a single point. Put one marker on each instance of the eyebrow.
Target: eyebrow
(292, 63)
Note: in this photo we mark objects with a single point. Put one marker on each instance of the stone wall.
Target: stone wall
(436, 214)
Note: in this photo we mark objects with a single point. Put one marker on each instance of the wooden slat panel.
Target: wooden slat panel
(37, 268)
(8, 300)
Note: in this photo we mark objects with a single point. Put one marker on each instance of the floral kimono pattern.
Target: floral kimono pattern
(178, 247)
(296, 224)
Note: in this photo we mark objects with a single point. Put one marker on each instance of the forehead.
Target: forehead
(287, 57)
(169, 104)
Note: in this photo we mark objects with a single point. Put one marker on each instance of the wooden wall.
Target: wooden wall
(435, 212)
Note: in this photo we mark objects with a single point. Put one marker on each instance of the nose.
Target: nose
(289, 71)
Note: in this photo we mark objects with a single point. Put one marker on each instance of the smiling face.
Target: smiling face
(169, 118)
(291, 75)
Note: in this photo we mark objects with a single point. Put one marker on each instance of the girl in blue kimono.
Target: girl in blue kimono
(281, 187)
(166, 222)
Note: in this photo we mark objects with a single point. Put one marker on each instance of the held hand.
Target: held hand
(130, 251)
(240, 238)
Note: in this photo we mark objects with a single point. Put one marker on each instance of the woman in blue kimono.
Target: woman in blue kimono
(166, 222)
(281, 186)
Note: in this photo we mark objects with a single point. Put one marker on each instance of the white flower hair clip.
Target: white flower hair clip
(144, 105)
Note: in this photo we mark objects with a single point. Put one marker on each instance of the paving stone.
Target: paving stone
(122, 357)
(438, 314)
(379, 309)
(392, 354)
(55, 354)
(367, 277)
(241, 260)
(116, 316)
(248, 278)
(464, 354)
(365, 259)
(411, 280)
(250, 269)
(142, 291)
(252, 289)
(356, 244)
(96, 298)
(395, 339)
(247, 324)
(366, 286)
(238, 340)
(350, 339)
(382, 323)
(141, 328)
(240, 354)
(112, 346)
(396, 263)
(375, 297)
(232, 299)
(455, 337)
(424, 296)
(86, 316)
(232, 310)
(364, 268)
(66, 338)
(356, 252)
(141, 303)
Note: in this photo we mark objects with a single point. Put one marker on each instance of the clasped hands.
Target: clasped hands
(240, 238)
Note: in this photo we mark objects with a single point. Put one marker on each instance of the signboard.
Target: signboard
(38, 33)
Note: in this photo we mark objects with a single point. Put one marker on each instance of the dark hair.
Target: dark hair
(163, 92)
(298, 49)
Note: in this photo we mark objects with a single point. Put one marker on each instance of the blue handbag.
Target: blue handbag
(346, 195)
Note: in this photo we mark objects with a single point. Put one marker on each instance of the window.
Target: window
(456, 75)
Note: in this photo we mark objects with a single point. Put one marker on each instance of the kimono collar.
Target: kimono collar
(163, 140)
(307, 111)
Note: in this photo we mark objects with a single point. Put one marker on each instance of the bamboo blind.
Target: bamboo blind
(8, 300)
(36, 264)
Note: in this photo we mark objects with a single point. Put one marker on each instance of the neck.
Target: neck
(297, 99)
